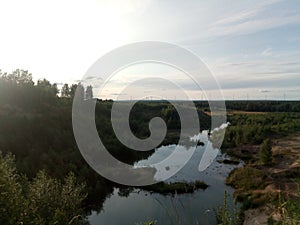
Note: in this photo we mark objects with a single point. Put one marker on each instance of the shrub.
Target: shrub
(265, 152)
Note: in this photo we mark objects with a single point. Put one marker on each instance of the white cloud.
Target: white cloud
(246, 13)
(265, 72)
(254, 25)
(267, 52)
(253, 19)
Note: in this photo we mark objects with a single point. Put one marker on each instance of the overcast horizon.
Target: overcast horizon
(251, 47)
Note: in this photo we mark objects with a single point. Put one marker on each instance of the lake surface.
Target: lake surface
(186, 209)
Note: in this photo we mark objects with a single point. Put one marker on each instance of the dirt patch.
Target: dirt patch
(245, 112)
(258, 216)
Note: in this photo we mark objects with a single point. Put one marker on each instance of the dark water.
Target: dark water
(187, 209)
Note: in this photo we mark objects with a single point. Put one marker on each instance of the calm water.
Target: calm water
(187, 209)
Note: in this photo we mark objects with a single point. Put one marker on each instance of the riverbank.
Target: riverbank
(261, 188)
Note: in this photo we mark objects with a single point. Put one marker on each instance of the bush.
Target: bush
(44, 200)
(246, 178)
(11, 198)
(265, 153)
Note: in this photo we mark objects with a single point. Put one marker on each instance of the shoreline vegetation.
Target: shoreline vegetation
(36, 128)
(176, 187)
(230, 161)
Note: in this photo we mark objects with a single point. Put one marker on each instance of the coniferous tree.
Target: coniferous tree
(73, 90)
(80, 92)
(265, 153)
(65, 91)
(89, 92)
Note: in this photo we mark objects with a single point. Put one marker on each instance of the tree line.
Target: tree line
(256, 105)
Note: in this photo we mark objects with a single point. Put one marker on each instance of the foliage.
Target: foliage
(265, 152)
(257, 106)
(11, 196)
(289, 211)
(89, 92)
(246, 178)
(20, 77)
(226, 217)
(36, 126)
(65, 91)
(44, 200)
(254, 128)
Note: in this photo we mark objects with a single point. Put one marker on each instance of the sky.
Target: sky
(251, 47)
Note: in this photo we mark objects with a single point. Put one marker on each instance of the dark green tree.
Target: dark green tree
(77, 89)
(73, 90)
(89, 92)
(65, 91)
(265, 152)
(48, 87)
(79, 92)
